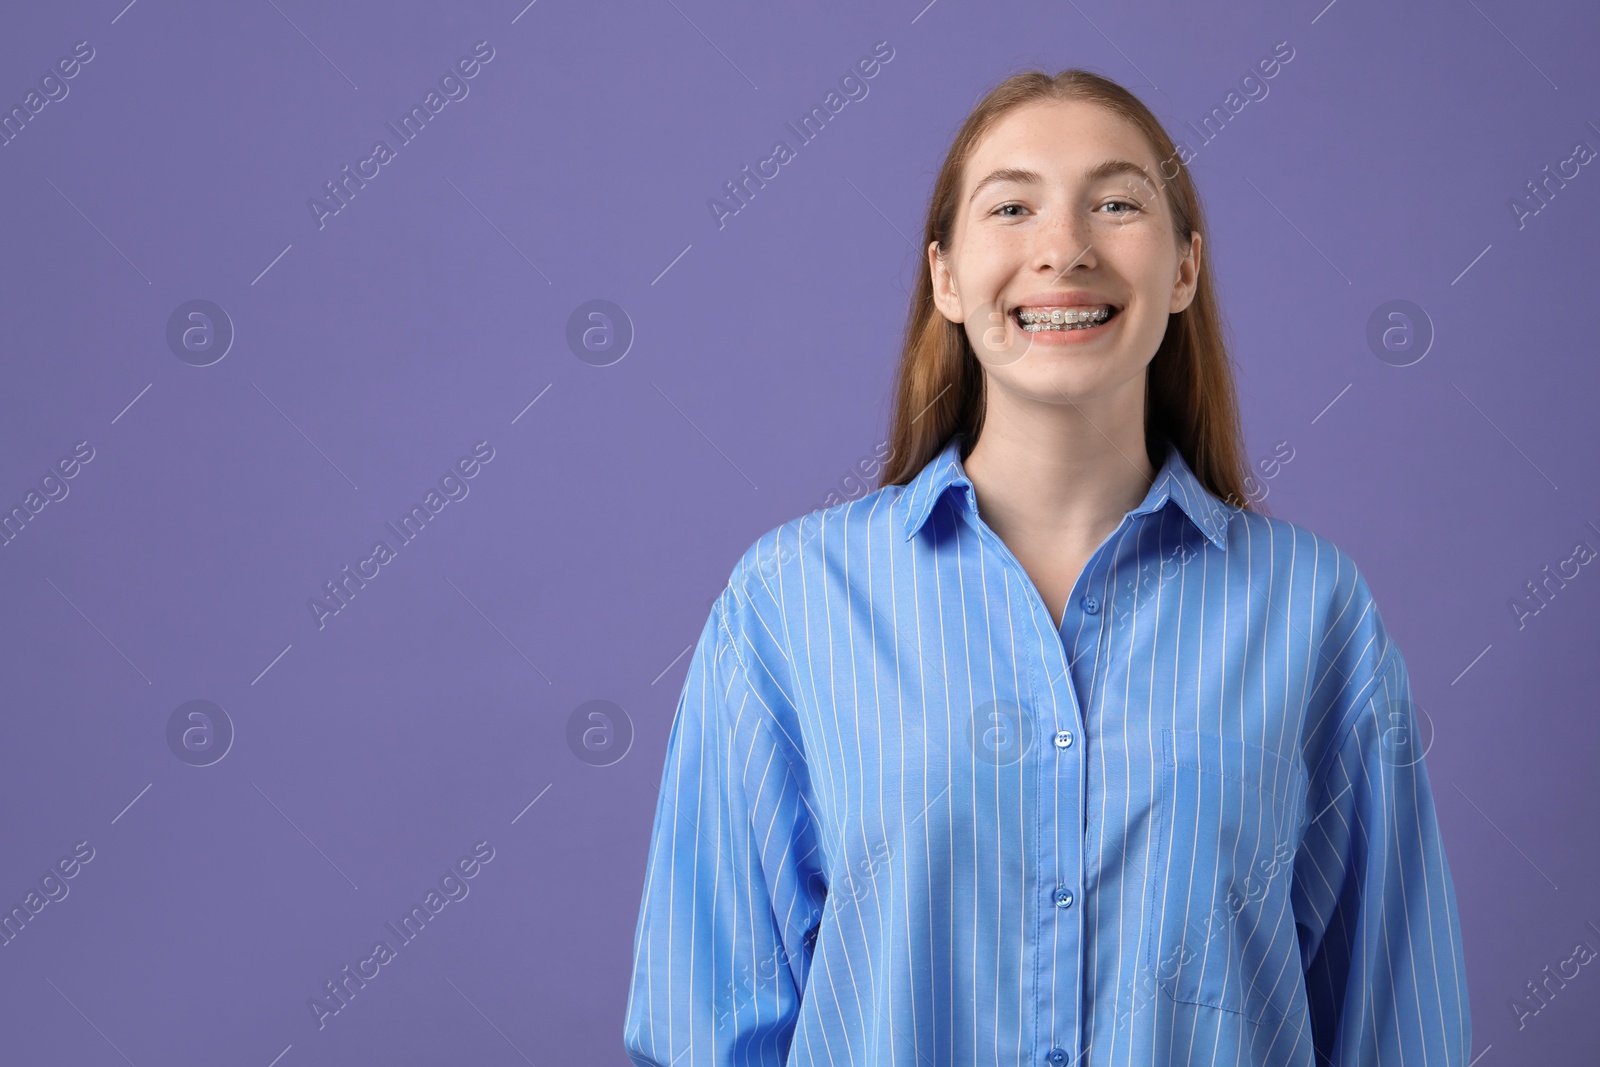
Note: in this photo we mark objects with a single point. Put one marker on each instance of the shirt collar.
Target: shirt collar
(1174, 482)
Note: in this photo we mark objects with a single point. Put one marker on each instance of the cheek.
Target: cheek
(997, 245)
(1141, 252)
(1151, 269)
(983, 272)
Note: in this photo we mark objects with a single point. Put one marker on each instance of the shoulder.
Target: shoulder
(780, 561)
(1313, 593)
(785, 550)
(1316, 589)
(1308, 570)
(748, 622)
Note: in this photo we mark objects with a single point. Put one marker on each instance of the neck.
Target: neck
(1065, 473)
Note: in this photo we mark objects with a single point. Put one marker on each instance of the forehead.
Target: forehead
(1059, 139)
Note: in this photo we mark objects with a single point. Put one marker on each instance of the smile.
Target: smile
(1037, 320)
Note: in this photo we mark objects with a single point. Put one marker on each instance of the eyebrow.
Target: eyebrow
(1107, 168)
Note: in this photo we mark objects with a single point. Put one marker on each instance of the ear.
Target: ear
(945, 297)
(1188, 280)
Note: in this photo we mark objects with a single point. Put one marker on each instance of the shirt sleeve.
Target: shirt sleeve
(733, 889)
(1376, 909)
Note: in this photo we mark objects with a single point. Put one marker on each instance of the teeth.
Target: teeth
(1034, 320)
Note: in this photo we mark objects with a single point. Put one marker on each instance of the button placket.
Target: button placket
(1061, 790)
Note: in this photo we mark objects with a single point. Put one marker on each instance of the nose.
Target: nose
(1063, 244)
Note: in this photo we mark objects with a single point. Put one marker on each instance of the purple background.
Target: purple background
(433, 309)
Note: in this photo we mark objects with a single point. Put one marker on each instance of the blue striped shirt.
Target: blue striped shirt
(907, 820)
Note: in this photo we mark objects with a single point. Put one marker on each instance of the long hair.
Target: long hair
(1189, 391)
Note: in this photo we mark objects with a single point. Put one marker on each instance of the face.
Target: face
(1048, 219)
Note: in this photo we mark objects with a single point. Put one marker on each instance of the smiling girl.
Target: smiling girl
(951, 782)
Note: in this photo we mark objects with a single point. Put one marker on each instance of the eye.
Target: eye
(1132, 207)
(1002, 207)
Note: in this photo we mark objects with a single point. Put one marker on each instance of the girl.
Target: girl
(1052, 749)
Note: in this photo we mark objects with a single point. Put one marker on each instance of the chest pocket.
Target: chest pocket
(1219, 925)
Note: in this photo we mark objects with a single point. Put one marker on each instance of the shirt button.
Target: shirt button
(1091, 605)
(1063, 897)
(1063, 738)
(1057, 1056)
